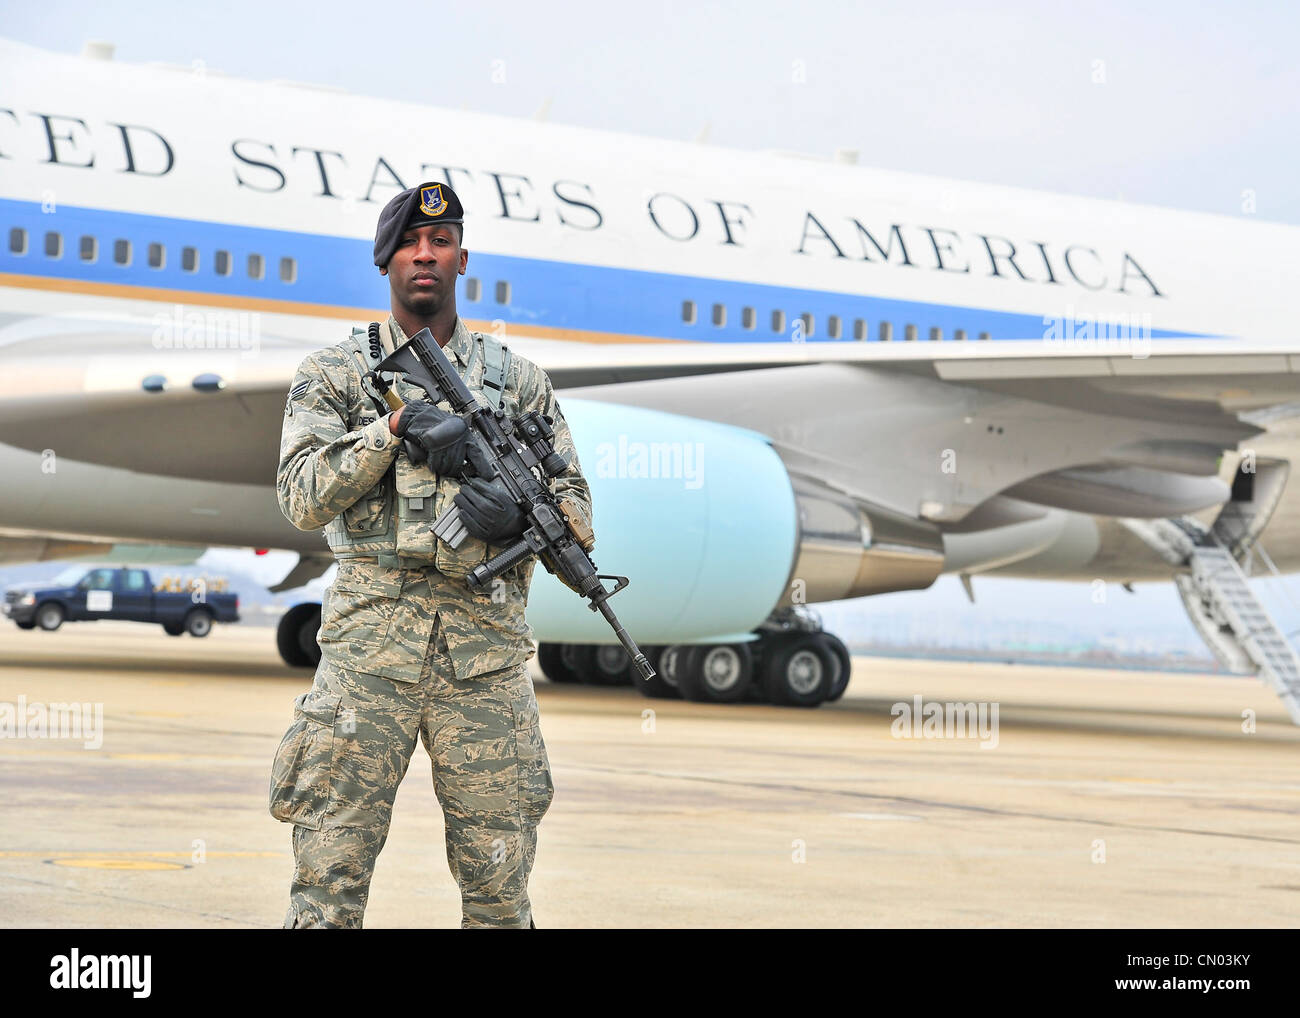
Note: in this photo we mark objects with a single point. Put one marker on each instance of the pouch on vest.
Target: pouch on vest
(473, 551)
(417, 491)
(422, 496)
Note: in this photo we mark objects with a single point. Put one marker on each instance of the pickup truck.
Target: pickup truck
(78, 595)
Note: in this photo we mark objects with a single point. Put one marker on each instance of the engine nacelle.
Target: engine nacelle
(699, 515)
(714, 534)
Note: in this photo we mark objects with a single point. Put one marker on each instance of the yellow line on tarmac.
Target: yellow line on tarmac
(21, 853)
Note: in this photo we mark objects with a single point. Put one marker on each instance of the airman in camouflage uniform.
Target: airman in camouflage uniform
(407, 648)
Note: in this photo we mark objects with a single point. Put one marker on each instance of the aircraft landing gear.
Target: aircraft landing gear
(295, 636)
(792, 662)
(589, 664)
(716, 673)
(803, 665)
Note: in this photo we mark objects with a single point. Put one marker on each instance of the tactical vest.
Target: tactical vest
(394, 519)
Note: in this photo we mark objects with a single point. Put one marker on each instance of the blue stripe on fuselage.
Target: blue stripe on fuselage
(338, 271)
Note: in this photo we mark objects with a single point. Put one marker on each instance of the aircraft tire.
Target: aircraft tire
(716, 673)
(295, 636)
(307, 638)
(656, 688)
(550, 659)
(670, 658)
(842, 665)
(798, 670)
(602, 665)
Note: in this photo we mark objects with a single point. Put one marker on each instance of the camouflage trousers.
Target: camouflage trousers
(337, 770)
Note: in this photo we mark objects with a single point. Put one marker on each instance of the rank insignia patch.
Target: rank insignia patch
(295, 393)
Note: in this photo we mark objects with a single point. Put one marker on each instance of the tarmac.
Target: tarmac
(1100, 799)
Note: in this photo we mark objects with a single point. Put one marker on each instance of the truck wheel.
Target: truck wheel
(841, 665)
(550, 659)
(198, 622)
(715, 672)
(173, 628)
(49, 616)
(798, 671)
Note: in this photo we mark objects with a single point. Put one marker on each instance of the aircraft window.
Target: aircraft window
(859, 329)
(719, 314)
(256, 266)
(807, 320)
(909, 333)
(833, 326)
(688, 312)
(959, 335)
(936, 334)
(54, 245)
(473, 288)
(221, 263)
(190, 259)
(288, 270)
(122, 252)
(984, 335)
(18, 240)
(747, 318)
(89, 249)
(503, 291)
(157, 256)
(778, 321)
(135, 579)
(886, 332)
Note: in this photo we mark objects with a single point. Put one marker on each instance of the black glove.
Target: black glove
(487, 510)
(478, 462)
(438, 437)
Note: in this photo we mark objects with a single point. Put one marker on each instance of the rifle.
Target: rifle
(517, 449)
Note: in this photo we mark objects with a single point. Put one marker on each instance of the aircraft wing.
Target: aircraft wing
(106, 392)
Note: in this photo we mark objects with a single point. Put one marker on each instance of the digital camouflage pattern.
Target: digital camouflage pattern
(338, 768)
(407, 648)
(334, 473)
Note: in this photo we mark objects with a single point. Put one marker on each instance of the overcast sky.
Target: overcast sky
(1183, 105)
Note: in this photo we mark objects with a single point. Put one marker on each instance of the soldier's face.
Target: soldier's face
(423, 269)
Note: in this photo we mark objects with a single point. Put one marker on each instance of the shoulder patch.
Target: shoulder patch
(296, 393)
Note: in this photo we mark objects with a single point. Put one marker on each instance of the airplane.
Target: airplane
(791, 380)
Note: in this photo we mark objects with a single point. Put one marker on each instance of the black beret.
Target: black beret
(427, 205)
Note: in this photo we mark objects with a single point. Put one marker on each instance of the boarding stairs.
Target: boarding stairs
(1213, 564)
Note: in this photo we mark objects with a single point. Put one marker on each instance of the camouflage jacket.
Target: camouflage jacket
(341, 469)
